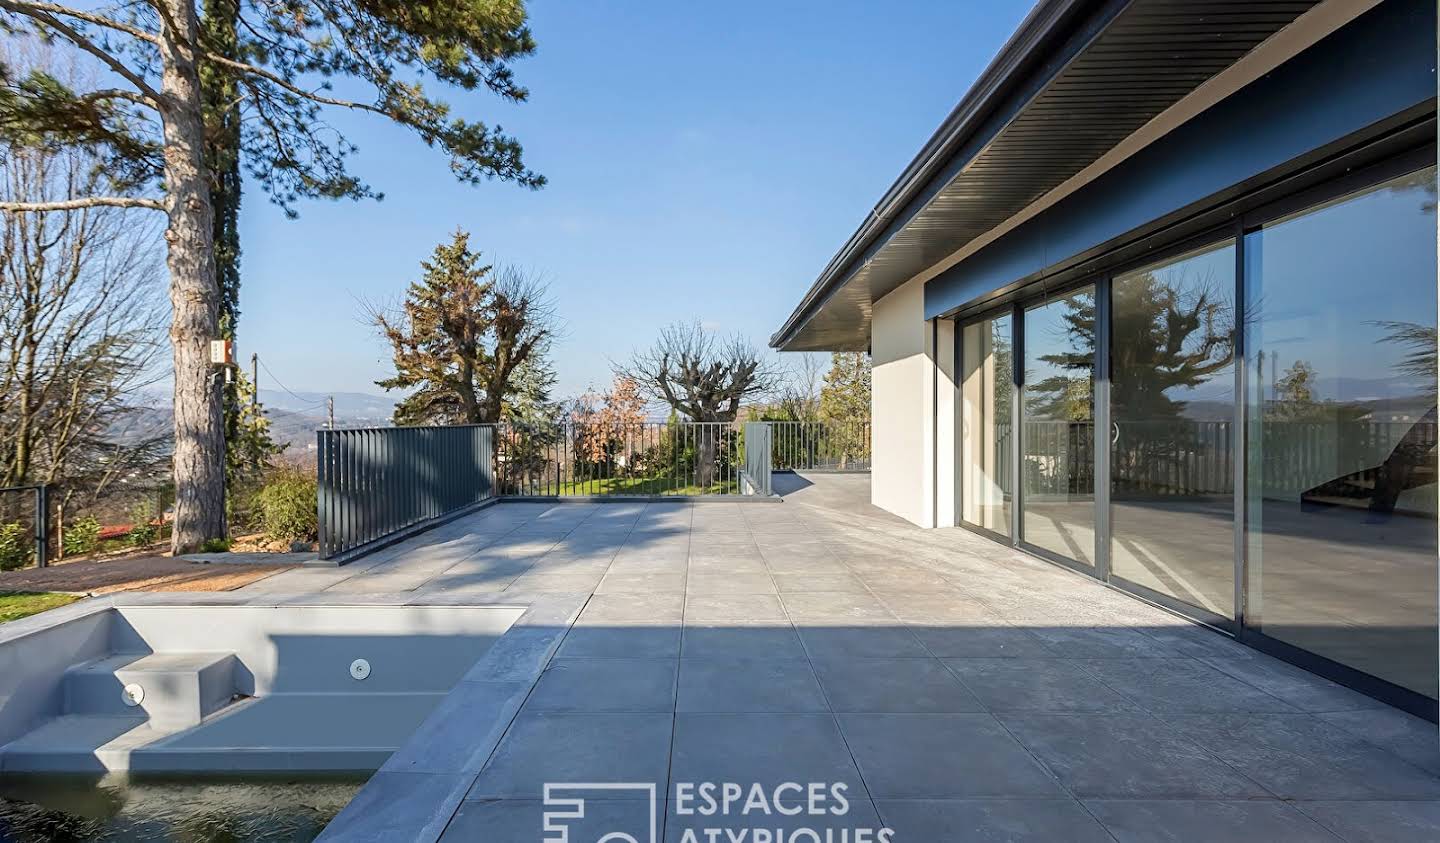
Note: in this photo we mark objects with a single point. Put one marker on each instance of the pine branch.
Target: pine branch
(38, 12)
(87, 202)
(276, 79)
(20, 7)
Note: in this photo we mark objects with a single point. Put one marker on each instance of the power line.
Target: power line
(306, 401)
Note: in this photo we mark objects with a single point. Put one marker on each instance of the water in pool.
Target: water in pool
(276, 809)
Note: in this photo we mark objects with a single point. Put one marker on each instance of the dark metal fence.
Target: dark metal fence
(821, 445)
(24, 527)
(575, 459)
(376, 482)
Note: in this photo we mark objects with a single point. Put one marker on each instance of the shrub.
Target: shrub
(81, 537)
(145, 531)
(215, 546)
(286, 506)
(15, 546)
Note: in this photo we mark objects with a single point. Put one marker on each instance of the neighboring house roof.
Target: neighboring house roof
(1076, 78)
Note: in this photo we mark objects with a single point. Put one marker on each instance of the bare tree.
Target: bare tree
(81, 323)
(703, 378)
(799, 398)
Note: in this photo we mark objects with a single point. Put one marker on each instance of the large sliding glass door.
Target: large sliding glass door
(1341, 411)
(1299, 512)
(986, 439)
(1057, 469)
(1172, 410)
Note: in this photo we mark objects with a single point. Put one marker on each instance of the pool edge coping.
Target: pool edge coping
(416, 793)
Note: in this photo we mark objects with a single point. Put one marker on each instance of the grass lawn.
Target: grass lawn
(15, 605)
(643, 486)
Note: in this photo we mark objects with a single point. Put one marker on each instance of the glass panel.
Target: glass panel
(1341, 497)
(1058, 497)
(1172, 399)
(985, 435)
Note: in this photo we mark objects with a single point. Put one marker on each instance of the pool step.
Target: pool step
(176, 689)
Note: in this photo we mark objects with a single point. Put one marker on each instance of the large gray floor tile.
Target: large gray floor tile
(748, 685)
(730, 582)
(990, 821)
(1404, 734)
(1098, 642)
(1298, 687)
(768, 749)
(632, 610)
(570, 684)
(522, 820)
(641, 583)
(938, 756)
(1378, 822)
(1053, 685)
(720, 608)
(894, 685)
(1206, 821)
(835, 643)
(1126, 756)
(1180, 685)
(1298, 756)
(543, 747)
(837, 608)
(637, 642)
(741, 641)
(966, 641)
(685, 823)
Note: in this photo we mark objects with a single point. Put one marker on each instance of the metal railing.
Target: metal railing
(642, 459)
(376, 482)
(24, 536)
(821, 445)
(1187, 458)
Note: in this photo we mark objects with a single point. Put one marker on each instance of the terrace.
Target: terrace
(957, 688)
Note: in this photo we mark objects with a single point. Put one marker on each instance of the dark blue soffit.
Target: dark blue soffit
(1378, 66)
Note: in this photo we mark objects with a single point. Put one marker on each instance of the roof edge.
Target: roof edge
(1044, 23)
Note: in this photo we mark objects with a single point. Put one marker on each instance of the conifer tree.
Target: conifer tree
(459, 336)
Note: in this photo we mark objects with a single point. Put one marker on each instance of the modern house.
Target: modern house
(1157, 302)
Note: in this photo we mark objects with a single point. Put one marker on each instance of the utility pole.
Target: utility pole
(254, 380)
(330, 409)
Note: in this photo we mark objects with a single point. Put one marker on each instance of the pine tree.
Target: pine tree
(846, 393)
(460, 335)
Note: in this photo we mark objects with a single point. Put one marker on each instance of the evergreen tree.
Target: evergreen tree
(460, 335)
(846, 393)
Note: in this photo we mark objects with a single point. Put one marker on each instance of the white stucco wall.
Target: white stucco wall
(911, 464)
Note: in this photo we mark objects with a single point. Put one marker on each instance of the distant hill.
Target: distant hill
(357, 407)
(293, 418)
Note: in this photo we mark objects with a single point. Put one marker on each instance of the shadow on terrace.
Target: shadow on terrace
(955, 687)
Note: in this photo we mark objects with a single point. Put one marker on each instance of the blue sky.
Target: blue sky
(705, 161)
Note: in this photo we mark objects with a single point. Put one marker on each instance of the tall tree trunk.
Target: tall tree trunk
(194, 295)
(705, 457)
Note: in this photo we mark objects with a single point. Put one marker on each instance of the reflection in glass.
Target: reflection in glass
(1172, 385)
(1058, 412)
(985, 434)
(1341, 406)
